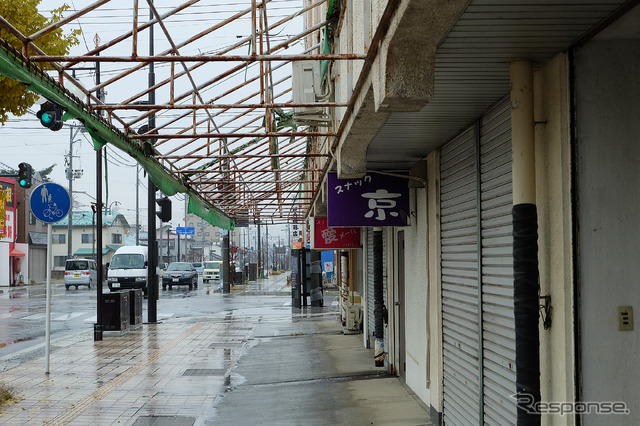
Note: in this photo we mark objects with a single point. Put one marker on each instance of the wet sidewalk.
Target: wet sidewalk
(284, 368)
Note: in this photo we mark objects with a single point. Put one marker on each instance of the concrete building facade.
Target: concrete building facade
(487, 108)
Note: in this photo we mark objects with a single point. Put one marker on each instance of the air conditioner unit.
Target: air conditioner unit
(354, 319)
(307, 89)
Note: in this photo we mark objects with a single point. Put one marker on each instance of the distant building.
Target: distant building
(83, 237)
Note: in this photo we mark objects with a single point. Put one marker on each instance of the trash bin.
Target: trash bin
(115, 311)
(253, 272)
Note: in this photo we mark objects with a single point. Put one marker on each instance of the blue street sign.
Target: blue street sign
(50, 202)
(189, 230)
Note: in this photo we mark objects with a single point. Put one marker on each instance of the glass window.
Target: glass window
(87, 238)
(77, 265)
(116, 238)
(59, 260)
(127, 261)
(59, 238)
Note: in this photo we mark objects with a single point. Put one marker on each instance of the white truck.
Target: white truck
(128, 269)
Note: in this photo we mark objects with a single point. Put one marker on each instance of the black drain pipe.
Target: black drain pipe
(526, 287)
(378, 298)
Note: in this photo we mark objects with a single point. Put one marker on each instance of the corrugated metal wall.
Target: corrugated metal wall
(459, 244)
(498, 324)
(476, 240)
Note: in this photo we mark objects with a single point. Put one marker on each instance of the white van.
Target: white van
(80, 272)
(211, 270)
(128, 269)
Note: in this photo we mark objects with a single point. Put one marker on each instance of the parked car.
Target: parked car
(162, 266)
(211, 270)
(199, 267)
(79, 272)
(180, 273)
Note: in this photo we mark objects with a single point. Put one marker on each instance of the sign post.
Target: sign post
(50, 203)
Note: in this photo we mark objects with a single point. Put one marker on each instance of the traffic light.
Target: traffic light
(25, 172)
(50, 115)
(164, 211)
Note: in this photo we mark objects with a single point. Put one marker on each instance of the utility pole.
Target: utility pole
(152, 278)
(260, 272)
(71, 176)
(99, 326)
(137, 204)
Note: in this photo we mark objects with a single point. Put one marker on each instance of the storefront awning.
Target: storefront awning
(16, 253)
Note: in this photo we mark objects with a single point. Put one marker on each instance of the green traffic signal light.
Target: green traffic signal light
(47, 118)
(50, 115)
(25, 173)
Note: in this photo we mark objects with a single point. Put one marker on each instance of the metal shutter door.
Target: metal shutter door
(459, 242)
(384, 291)
(498, 324)
(370, 303)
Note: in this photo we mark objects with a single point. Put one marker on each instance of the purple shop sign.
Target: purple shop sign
(374, 200)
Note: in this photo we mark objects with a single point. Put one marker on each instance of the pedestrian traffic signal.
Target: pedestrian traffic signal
(25, 173)
(164, 211)
(50, 115)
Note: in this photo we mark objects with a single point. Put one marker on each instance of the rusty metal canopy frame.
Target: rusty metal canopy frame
(220, 101)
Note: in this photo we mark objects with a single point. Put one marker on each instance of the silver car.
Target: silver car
(79, 272)
(199, 267)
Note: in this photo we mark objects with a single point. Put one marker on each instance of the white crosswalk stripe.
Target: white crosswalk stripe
(68, 316)
(34, 317)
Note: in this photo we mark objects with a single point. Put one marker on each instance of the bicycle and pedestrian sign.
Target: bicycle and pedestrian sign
(50, 202)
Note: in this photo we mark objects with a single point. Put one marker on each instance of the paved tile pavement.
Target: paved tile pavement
(205, 371)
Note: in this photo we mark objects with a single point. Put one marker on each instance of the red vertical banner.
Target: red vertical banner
(7, 209)
(3, 197)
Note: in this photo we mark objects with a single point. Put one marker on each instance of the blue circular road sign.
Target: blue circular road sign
(50, 202)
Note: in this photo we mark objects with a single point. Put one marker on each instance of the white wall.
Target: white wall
(607, 106)
(416, 280)
(4, 265)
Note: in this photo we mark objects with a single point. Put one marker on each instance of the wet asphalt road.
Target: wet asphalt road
(22, 311)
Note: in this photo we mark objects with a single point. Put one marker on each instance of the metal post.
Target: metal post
(137, 204)
(97, 335)
(99, 325)
(48, 300)
(226, 286)
(260, 274)
(152, 278)
(152, 313)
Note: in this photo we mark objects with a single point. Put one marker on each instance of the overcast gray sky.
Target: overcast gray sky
(24, 139)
